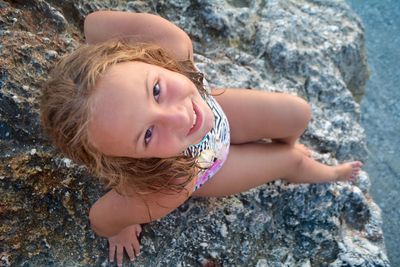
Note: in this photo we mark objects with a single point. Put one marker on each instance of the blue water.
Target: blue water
(380, 110)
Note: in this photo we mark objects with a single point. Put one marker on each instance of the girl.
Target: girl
(138, 115)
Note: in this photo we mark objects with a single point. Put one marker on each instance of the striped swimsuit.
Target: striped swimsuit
(213, 149)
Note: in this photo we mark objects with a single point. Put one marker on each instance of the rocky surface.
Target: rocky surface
(314, 49)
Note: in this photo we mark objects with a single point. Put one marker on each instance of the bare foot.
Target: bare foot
(303, 149)
(348, 170)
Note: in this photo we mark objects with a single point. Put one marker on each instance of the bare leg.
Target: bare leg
(279, 117)
(251, 165)
(303, 149)
(254, 115)
(311, 171)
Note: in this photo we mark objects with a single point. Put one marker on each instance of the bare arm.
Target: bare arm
(114, 212)
(101, 26)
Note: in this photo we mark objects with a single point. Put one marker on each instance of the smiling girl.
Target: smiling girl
(138, 114)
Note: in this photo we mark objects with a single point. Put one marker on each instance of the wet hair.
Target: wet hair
(66, 110)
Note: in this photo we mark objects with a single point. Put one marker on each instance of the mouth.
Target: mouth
(197, 119)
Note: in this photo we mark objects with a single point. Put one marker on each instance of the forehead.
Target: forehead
(118, 100)
(118, 82)
(123, 72)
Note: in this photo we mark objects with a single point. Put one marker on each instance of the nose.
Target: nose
(174, 117)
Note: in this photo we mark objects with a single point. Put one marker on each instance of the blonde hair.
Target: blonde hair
(66, 110)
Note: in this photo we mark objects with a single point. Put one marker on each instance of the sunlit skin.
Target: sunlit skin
(142, 110)
(122, 110)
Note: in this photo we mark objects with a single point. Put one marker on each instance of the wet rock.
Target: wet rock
(314, 49)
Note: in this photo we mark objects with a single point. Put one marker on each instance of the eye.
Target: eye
(156, 91)
(148, 135)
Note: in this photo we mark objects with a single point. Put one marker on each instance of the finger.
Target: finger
(120, 254)
(111, 252)
(138, 230)
(129, 250)
(136, 246)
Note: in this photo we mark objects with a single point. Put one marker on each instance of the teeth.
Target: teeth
(194, 118)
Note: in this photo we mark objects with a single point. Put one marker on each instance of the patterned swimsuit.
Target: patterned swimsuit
(213, 149)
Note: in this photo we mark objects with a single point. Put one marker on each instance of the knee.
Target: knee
(186, 45)
(301, 114)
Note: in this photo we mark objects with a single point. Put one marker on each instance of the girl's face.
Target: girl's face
(141, 110)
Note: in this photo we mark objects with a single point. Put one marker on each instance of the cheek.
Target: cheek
(164, 141)
(170, 146)
(186, 86)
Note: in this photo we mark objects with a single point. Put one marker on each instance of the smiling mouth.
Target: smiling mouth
(196, 119)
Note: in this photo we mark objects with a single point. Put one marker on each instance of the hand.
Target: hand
(126, 240)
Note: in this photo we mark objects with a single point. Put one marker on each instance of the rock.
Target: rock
(314, 49)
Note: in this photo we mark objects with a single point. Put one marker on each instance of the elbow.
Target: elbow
(91, 26)
(93, 223)
(98, 225)
(187, 45)
(88, 27)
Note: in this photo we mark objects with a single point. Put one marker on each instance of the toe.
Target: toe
(357, 164)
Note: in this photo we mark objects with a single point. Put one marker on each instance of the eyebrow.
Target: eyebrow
(146, 86)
